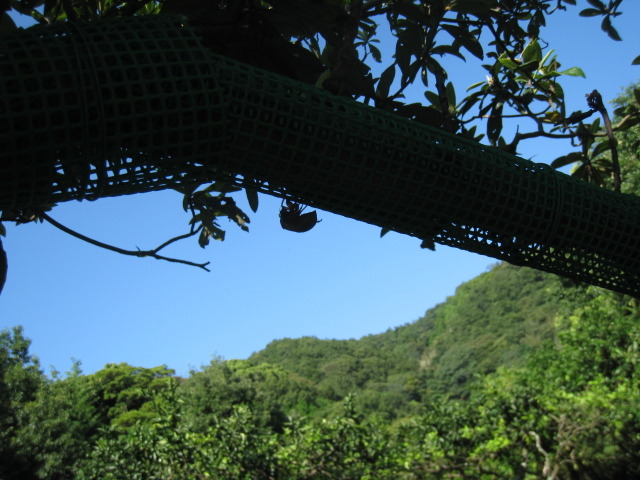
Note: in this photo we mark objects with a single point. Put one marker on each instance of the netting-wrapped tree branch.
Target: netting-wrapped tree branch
(126, 106)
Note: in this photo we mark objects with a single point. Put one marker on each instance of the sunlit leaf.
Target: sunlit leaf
(574, 72)
(507, 62)
(476, 85)
(532, 52)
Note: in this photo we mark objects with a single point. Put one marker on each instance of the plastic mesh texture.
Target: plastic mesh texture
(132, 105)
(103, 108)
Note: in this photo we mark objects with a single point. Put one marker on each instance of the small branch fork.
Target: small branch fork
(134, 253)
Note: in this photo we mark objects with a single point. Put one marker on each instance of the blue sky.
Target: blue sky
(340, 280)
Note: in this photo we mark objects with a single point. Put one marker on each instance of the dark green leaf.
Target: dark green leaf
(384, 231)
(433, 98)
(252, 198)
(589, 12)
(447, 50)
(636, 61)
(375, 53)
(565, 160)
(451, 95)
(577, 116)
(494, 124)
(386, 79)
(600, 148)
(467, 103)
(471, 43)
(610, 30)
(473, 7)
(597, 4)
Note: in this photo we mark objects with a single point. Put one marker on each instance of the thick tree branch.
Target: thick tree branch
(135, 253)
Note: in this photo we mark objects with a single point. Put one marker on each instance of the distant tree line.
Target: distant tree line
(572, 410)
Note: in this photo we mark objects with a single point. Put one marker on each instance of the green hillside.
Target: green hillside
(471, 390)
(494, 320)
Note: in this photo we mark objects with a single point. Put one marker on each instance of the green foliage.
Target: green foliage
(271, 392)
(559, 403)
(493, 320)
(61, 423)
(20, 380)
(122, 393)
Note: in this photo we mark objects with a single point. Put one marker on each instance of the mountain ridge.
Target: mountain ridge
(496, 319)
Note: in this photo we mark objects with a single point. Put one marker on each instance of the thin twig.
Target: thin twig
(135, 253)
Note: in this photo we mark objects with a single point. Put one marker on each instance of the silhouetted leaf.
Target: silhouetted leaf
(589, 12)
(252, 198)
(386, 79)
(597, 4)
(610, 30)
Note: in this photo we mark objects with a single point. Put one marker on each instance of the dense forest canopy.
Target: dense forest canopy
(538, 379)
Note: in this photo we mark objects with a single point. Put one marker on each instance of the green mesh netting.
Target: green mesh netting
(133, 105)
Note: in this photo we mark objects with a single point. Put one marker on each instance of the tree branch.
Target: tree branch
(594, 100)
(135, 253)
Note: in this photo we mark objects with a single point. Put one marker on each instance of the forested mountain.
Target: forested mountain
(494, 320)
(474, 389)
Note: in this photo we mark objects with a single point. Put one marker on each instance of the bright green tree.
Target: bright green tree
(20, 381)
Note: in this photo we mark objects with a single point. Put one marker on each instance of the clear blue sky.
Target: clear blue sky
(340, 280)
